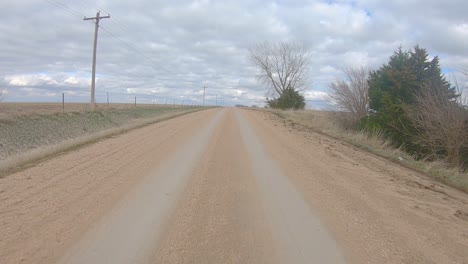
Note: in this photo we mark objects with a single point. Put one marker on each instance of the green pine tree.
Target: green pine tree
(393, 87)
(289, 99)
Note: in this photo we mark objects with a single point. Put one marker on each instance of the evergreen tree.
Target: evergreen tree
(289, 99)
(393, 87)
(429, 74)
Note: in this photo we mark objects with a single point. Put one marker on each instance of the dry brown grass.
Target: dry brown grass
(27, 136)
(326, 123)
(14, 110)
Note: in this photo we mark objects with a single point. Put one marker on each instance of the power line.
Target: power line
(128, 45)
(77, 13)
(65, 7)
(125, 43)
(134, 47)
(119, 39)
(124, 28)
(93, 5)
(86, 7)
(114, 19)
(136, 50)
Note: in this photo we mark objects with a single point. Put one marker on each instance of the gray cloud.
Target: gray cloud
(170, 49)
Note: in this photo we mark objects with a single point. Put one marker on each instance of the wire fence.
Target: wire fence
(77, 101)
(68, 100)
(120, 30)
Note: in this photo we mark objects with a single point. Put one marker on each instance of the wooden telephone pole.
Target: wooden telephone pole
(93, 78)
(204, 88)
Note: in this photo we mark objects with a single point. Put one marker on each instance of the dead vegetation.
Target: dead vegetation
(282, 66)
(350, 93)
(14, 110)
(33, 136)
(442, 126)
(327, 123)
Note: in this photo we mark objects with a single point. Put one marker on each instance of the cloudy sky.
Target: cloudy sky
(168, 50)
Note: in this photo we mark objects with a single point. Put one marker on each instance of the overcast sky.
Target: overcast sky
(171, 49)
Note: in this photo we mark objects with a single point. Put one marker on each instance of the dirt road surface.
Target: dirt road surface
(227, 186)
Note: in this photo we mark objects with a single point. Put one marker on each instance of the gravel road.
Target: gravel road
(227, 186)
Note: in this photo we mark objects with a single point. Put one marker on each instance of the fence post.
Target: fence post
(63, 102)
(107, 99)
(135, 100)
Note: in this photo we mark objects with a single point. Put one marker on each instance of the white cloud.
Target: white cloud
(173, 48)
(314, 95)
(132, 90)
(72, 80)
(30, 80)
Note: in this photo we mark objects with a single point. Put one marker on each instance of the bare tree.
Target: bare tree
(464, 71)
(443, 124)
(281, 66)
(463, 90)
(351, 93)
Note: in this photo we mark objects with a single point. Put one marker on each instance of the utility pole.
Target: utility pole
(204, 88)
(93, 78)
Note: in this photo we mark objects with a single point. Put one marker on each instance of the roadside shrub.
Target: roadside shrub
(289, 99)
(393, 89)
(442, 126)
(350, 94)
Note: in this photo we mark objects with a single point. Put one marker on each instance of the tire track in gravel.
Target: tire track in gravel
(220, 217)
(45, 208)
(127, 234)
(302, 236)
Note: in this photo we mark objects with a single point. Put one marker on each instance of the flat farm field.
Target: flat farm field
(12, 110)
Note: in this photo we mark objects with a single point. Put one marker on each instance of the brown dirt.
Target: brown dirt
(45, 208)
(220, 218)
(379, 211)
(30, 137)
(227, 186)
(14, 110)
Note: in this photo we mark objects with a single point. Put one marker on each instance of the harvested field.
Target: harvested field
(13, 110)
(32, 131)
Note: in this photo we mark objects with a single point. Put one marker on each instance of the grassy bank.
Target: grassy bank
(34, 136)
(325, 123)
